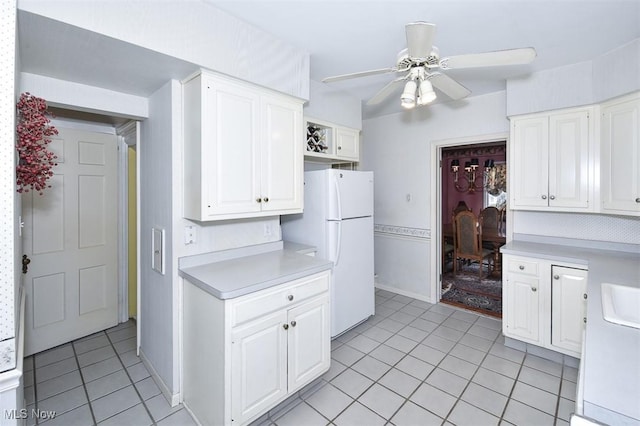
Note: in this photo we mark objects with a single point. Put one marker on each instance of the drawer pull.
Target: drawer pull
(638, 200)
(552, 197)
(266, 199)
(544, 197)
(290, 297)
(521, 267)
(285, 326)
(258, 200)
(293, 323)
(534, 289)
(556, 277)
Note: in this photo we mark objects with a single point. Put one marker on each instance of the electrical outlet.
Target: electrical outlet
(189, 235)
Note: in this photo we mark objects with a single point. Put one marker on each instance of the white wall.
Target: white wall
(8, 200)
(80, 97)
(398, 149)
(333, 106)
(157, 304)
(194, 31)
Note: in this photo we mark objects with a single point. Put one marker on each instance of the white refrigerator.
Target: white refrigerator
(338, 220)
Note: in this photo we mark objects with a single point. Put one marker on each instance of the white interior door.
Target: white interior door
(70, 235)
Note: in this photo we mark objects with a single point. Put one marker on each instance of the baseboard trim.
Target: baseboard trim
(397, 290)
(172, 399)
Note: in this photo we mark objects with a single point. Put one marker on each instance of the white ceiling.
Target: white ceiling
(350, 36)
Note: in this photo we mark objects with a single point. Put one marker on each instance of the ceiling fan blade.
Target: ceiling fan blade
(358, 74)
(500, 57)
(385, 91)
(420, 39)
(449, 86)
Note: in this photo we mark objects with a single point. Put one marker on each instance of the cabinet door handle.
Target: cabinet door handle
(259, 200)
(544, 197)
(339, 147)
(584, 296)
(556, 277)
(285, 326)
(521, 267)
(293, 323)
(266, 199)
(638, 200)
(552, 197)
(584, 319)
(534, 289)
(290, 297)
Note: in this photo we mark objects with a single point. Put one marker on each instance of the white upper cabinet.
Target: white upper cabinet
(551, 159)
(620, 156)
(331, 143)
(242, 150)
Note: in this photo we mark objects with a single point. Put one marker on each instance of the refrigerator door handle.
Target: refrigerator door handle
(338, 198)
(339, 243)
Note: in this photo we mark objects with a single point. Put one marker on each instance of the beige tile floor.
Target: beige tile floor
(413, 363)
(97, 380)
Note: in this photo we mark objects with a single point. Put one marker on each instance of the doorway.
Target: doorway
(73, 234)
(474, 188)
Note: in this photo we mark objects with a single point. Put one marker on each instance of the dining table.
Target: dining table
(496, 237)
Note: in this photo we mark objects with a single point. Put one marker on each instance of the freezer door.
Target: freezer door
(352, 294)
(350, 194)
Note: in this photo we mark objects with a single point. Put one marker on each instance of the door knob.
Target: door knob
(285, 326)
(556, 277)
(290, 297)
(552, 197)
(544, 197)
(266, 199)
(638, 200)
(293, 323)
(259, 200)
(534, 289)
(25, 263)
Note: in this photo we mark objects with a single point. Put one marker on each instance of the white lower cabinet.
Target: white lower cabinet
(544, 303)
(243, 356)
(568, 307)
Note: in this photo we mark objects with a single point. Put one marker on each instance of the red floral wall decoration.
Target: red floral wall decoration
(35, 161)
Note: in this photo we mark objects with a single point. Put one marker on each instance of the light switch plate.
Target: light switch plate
(157, 250)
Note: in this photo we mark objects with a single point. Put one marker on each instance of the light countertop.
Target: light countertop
(612, 351)
(233, 273)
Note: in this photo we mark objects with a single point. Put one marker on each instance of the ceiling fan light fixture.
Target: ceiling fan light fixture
(408, 98)
(426, 95)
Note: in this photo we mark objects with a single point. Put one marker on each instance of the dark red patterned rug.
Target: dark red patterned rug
(467, 291)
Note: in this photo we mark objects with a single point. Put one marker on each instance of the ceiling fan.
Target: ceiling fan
(421, 63)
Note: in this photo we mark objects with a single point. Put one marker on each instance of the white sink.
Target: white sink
(621, 304)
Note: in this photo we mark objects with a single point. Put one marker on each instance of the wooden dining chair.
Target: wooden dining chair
(490, 218)
(467, 242)
(461, 207)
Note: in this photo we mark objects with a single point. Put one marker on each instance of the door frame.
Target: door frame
(435, 293)
(128, 136)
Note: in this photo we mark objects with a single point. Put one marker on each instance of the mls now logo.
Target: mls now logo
(24, 414)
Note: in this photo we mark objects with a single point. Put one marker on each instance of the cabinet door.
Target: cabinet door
(258, 366)
(521, 315)
(568, 307)
(309, 342)
(347, 143)
(282, 156)
(620, 158)
(529, 166)
(230, 152)
(569, 160)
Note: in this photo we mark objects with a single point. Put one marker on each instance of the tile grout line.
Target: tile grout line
(132, 383)
(84, 385)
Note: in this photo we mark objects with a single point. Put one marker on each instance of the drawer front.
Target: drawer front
(522, 266)
(286, 295)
